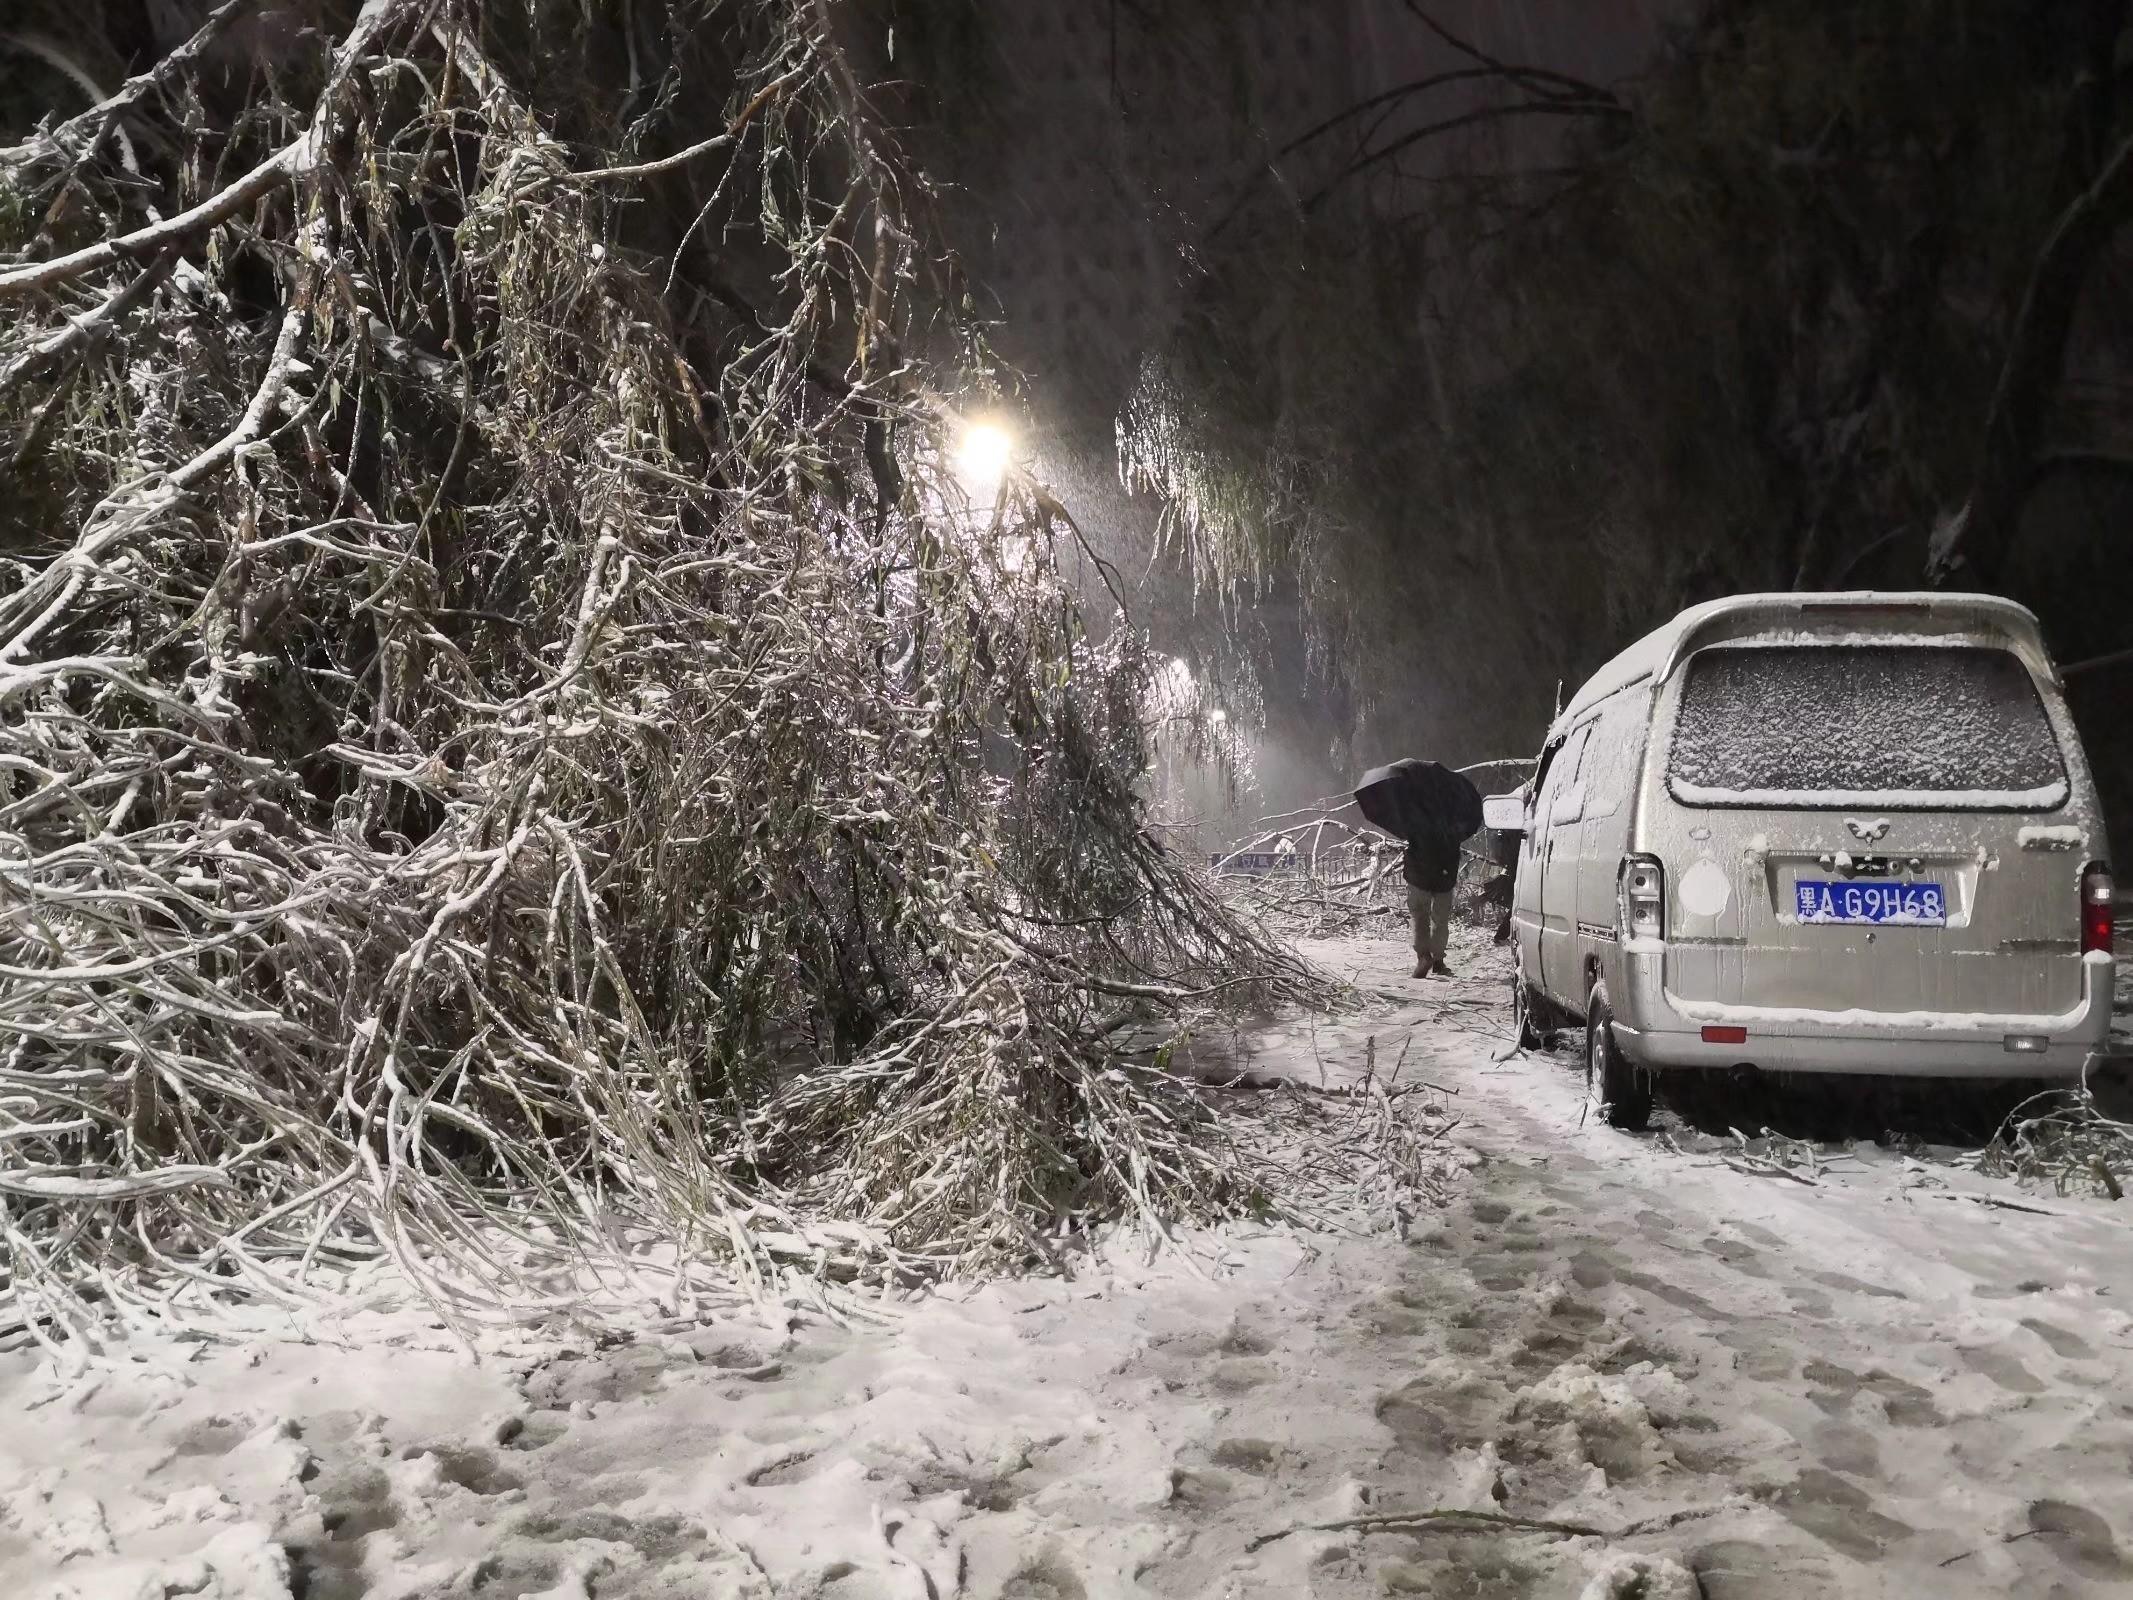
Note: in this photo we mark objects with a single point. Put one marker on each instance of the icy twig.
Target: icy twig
(1441, 1517)
(2064, 1136)
(1458, 1520)
(1758, 1167)
(2000, 1203)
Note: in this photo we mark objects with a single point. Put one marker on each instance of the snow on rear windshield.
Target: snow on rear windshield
(1829, 723)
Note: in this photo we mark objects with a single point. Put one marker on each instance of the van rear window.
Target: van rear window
(1918, 725)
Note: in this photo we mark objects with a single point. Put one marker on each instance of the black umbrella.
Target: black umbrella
(1411, 798)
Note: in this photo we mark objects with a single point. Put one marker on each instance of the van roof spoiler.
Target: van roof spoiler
(1659, 653)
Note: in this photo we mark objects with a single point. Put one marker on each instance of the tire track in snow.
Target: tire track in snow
(1895, 1399)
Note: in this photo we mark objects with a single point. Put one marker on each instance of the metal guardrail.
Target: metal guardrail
(1368, 871)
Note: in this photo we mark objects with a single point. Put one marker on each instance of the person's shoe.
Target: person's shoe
(1443, 971)
(1423, 969)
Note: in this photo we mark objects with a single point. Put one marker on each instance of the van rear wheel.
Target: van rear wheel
(1618, 1089)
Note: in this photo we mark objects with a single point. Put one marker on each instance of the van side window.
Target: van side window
(1567, 801)
(1544, 779)
(1570, 795)
(1603, 765)
(1618, 746)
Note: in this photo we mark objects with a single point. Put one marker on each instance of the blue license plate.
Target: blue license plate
(1918, 905)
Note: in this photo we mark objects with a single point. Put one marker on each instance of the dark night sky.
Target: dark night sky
(1106, 154)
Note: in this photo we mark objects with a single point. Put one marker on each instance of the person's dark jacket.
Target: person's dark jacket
(1432, 862)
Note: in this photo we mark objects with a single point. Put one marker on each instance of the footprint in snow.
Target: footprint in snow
(1737, 1254)
(1906, 1404)
(475, 1471)
(2003, 1368)
(2078, 1537)
(2066, 1345)
(1839, 1280)
(1839, 1513)
(1044, 1577)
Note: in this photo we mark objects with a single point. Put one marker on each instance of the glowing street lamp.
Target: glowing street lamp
(983, 454)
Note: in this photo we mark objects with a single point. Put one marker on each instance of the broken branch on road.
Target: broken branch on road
(1455, 1519)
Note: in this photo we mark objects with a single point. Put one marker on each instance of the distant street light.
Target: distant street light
(983, 455)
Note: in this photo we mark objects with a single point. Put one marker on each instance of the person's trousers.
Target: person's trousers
(1432, 915)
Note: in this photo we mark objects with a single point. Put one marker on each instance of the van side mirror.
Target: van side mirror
(1506, 813)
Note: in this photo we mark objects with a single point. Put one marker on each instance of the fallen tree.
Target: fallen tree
(510, 735)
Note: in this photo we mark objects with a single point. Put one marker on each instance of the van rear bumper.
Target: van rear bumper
(1656, 1028)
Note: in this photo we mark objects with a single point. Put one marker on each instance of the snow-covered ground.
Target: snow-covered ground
(1736, 1383)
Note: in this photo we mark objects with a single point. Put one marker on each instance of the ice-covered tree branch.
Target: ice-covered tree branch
(513, 730)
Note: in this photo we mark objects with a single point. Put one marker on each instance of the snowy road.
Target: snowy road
(1748, 1386)
(1919, 1394)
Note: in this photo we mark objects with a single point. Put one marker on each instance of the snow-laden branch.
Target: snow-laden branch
(85, 330)
(77, 136)
(37, 1185)
(157, 237)
(292, 160)
(550, 790)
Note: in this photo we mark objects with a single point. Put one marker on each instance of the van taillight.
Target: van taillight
(1643, 897)
(2096, 907)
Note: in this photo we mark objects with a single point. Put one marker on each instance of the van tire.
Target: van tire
(1617, 1087)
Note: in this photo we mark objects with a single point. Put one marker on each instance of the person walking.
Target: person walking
(1435, 810)
(1431, 871)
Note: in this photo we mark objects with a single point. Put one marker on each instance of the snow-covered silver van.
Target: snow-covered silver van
(1838, 833)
